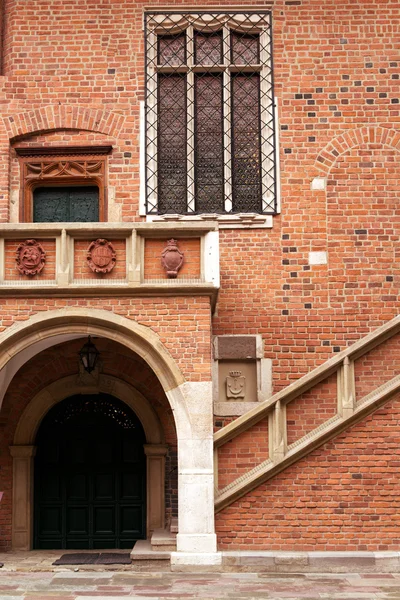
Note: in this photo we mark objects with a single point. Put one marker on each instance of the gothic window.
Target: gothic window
(67, 184)
(209, 113)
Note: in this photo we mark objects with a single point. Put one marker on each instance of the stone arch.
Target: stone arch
(23, 450)
(352, 138)
(55, 116)
(24, 340)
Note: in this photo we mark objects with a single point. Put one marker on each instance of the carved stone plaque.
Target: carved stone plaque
(235, 386)
(101, 256)
(172, 258)
(30, 257)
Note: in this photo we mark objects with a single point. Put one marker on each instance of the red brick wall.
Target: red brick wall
(343, 496)
(363, 228)
(243, 453)
(311, 409)
(377, 367)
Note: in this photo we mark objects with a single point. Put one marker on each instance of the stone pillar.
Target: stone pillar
(22, 503)
(155, 471)
(196, 540)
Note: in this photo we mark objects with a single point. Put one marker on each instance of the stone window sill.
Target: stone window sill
(237, 221)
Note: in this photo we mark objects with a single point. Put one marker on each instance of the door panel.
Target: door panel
(51, 518)
(51, 485)
(84, 204)
(77, 449)
(104, 486)
(130, 486)
(77, 520)
(95, 496)
(50, 204)
(130, 518)
(104, 520)
(103, 452)
(76, 486)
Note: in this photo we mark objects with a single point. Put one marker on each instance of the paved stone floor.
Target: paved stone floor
(114, 585)
(31, 576)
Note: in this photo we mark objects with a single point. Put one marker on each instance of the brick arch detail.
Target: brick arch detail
(352, 138)
(53, 117)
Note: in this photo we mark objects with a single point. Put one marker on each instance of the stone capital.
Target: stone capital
(155, 449)
(22, 451)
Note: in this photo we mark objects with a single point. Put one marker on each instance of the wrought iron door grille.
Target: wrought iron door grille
(209, 113)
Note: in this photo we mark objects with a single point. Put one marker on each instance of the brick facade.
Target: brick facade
(342, 497)
(73, 74)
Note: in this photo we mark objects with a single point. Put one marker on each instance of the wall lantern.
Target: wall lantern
(89, 355)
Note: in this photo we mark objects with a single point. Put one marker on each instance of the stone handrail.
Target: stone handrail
(348, 412)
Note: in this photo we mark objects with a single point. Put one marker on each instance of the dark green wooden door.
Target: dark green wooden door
(89, 475)
(69, 204)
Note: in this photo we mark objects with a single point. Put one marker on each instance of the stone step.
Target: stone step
(174, 525)
(163, 540)
(143, 550)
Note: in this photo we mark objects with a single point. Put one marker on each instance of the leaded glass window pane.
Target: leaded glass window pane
(209, 153)
(172, 50)
(245, 49)
(246, 143)
(208, 48)
(172, 188)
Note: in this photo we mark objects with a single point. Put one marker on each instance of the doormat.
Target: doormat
(114, 558)
(94, 558)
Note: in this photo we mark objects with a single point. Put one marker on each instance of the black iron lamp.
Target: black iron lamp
(89, 355)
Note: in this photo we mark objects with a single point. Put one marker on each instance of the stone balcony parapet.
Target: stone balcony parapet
(136, 271)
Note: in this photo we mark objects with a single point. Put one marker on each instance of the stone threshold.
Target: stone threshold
(245, 561)
(311, 562)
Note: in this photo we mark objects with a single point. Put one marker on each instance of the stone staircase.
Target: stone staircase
(160, 545)
(352, 406)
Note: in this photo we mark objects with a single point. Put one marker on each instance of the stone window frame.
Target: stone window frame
(228, 220)
(43, 167)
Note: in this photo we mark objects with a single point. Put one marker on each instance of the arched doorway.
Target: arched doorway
(90, 489)
(191, 405)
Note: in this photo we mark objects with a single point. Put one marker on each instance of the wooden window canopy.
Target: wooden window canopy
(63, 150)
